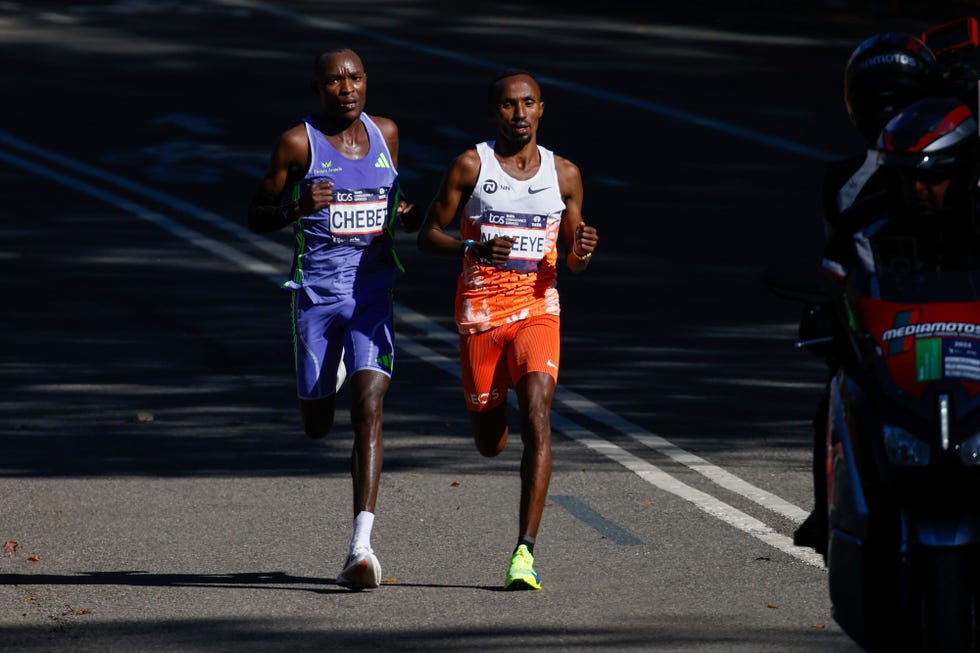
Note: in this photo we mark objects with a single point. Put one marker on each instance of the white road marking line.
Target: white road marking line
(645, 470)
(602, 415)
(656, 476)
(187, 234)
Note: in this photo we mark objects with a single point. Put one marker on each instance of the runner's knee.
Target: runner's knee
(316, 416)
(490, 431)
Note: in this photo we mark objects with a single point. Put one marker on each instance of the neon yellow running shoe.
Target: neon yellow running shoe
(521, 575)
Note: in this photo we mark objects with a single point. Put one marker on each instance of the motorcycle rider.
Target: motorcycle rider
(932, 152)
(929, 156)
(885, 73)
(904, 542)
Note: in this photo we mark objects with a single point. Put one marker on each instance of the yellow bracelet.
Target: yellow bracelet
(581, 258)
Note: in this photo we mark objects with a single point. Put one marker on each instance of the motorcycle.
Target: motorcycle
(903, 458)
(902, 434)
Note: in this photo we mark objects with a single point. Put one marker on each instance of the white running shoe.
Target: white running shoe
(362, 571)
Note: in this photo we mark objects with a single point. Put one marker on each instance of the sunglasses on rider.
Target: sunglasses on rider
(927, 176)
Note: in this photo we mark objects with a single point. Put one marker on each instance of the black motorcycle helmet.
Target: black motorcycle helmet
(934, 139)
(883, 75)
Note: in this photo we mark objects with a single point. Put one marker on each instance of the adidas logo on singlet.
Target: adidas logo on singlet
(382, 161)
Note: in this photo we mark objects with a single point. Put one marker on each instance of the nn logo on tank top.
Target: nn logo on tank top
(382, 161)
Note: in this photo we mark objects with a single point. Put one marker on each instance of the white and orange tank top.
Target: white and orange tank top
(529, 210)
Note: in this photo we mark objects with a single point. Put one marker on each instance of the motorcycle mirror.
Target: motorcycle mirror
(953, 36)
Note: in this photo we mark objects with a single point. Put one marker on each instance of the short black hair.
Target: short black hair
(504, 74)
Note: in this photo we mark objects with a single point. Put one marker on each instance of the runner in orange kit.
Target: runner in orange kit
(515, 200)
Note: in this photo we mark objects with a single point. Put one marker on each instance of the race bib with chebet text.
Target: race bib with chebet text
(357, 216)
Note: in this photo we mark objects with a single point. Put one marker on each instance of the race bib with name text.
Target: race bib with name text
(357, 216)
(528, 230)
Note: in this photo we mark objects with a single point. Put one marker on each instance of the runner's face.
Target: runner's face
(517, 108)
(342, 85)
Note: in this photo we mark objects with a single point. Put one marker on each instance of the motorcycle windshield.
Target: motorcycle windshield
(926, 326)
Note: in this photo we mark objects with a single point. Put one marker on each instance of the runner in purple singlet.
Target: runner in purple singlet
(334, 179)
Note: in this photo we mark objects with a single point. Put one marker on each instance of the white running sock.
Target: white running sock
(363, 524)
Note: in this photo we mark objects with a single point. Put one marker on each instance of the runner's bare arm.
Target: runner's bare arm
(578, 238)
(455, 189)
(267, 211)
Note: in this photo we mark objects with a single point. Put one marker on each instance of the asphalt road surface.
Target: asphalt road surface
(152, 471)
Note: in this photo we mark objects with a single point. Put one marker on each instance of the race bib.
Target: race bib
(529, 231)
(357, 216)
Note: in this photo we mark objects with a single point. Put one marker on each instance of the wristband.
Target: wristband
(582, 258)
(466, 246)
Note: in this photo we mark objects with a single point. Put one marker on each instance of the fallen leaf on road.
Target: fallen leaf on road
(454, 484)
(30, 598)
(9, 547)
(70, 610)
(35, 558)
(772, 606)
(818, 626)
(389, 580)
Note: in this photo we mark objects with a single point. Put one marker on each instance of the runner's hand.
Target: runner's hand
(409, 217)
(319, 196)
(586, 238)
(498, 250)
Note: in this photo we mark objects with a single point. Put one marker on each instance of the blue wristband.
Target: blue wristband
(467, 244)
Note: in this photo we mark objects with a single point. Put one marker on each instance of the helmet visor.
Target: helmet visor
(936, 161)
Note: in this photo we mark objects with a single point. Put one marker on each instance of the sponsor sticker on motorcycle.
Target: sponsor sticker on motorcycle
(927, 342)
(938, 358)
(961, 359)
(929, 359)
